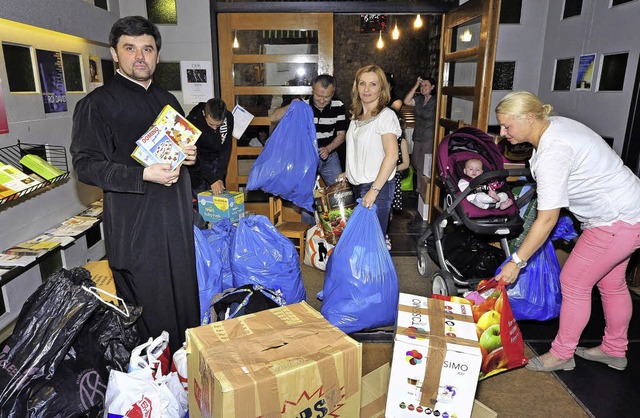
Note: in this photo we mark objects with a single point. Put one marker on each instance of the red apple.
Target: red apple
(496, 359)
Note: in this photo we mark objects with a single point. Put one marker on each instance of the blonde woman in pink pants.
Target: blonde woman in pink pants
(574, 168)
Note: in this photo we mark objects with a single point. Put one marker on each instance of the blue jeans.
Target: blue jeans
(329, 170)
(383, 201)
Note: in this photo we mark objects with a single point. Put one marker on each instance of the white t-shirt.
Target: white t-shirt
(364, 146)
(574, 168)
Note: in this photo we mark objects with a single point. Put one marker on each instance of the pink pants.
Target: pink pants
(600, 258)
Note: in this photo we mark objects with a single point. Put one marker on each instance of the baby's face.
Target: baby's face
(473, 169)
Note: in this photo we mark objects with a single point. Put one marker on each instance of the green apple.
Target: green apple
(488, 318)
(490, 338)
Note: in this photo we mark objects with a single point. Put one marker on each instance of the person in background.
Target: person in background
(214, 146)
(372, 142)
(330, 121)
(424, 110)
(485, 196)
(574, 168)
(148, 215)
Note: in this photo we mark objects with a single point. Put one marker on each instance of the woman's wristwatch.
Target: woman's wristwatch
(375, 188)
(519, 262)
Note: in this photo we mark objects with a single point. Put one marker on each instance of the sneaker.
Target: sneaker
(388, 241)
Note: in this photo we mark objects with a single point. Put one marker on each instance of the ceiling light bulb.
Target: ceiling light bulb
(380, 43)
(395, 34)
(466, 36)
(418, 22)
(235, 41)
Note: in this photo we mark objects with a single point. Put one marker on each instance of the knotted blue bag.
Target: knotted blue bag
(536, 294)
(209, 273)
(287, 165)
(262, 255)
(220, 237)
(361, 285)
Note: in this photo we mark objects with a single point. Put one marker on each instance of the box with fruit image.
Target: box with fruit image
(497, 330)
(334, 205)
(436, 359)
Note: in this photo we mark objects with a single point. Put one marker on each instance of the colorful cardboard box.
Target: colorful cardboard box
(224, 205)
(284, 362)
(436, 359)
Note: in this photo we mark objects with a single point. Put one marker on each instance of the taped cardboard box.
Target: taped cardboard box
(436, 359)
(285, 362)
(102, 276)
(224, 205)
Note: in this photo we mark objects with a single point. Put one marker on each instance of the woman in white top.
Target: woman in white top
(574, 168)
(372, 142)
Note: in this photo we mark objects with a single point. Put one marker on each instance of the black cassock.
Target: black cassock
(148, 227)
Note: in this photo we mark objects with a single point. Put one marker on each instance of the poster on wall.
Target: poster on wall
(54, 93)
(197, 81)
(586, 66)
(95, 77)
(4, 124)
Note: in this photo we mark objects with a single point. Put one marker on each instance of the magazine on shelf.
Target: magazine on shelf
(165, 140)
(13, 179)
(41, 166)
(10, 260)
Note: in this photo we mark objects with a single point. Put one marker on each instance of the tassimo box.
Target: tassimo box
(436, 359)
(281, 362)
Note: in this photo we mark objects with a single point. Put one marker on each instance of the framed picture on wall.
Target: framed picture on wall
(586, 65)
(562, 74)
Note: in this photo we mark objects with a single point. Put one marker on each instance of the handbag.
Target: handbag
(317, 249)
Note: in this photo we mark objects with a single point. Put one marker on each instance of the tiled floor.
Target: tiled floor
(604, 392)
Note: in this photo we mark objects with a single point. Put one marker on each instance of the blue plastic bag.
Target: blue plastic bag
(361, 285)
(209, 273)
(287, 165)
(220, 237)
(262, 255)
(536, 294)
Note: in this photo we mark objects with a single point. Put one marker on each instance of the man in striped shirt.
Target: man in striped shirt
(331, 125)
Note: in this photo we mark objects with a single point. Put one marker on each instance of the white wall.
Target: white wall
(90, 25)
(600, 30)
(522, 43)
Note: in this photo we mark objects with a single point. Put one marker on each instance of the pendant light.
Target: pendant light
(380, 43)
(235, 41)
(395, 34)
(418, 22)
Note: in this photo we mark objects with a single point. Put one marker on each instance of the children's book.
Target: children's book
(165, 140)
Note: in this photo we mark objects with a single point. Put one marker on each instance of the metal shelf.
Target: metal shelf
(56, 155)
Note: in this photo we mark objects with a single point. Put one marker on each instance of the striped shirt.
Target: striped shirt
(328, 121)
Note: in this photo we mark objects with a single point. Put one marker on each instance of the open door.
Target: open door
(467, 55)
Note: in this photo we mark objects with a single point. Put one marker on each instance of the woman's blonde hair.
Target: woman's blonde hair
(356, 108)
(520, 103)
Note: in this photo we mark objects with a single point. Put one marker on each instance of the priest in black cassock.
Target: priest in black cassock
(148, 215)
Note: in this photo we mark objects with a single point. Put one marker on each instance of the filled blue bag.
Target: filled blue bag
(536, 294)
(220, 237)
(361, 285)
(262, 255)
(287, 165)
(209, 273)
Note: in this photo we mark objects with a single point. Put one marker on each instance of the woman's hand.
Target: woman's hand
(509, 273)
(369, 198)
(342, 177)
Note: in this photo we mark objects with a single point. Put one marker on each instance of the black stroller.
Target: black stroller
(483, 224)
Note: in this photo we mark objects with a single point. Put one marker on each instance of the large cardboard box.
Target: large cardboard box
(224, 205)
(424, 188)
(436, 359)
(282, 362)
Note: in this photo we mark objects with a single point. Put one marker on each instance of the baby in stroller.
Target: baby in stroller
(487, 195)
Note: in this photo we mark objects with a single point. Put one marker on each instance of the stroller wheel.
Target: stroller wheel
(443, 284)
(424, 263)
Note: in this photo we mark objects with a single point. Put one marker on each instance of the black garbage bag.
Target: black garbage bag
(65, 341)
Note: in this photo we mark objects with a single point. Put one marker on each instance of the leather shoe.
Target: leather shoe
(618, 363)
(536, 365)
